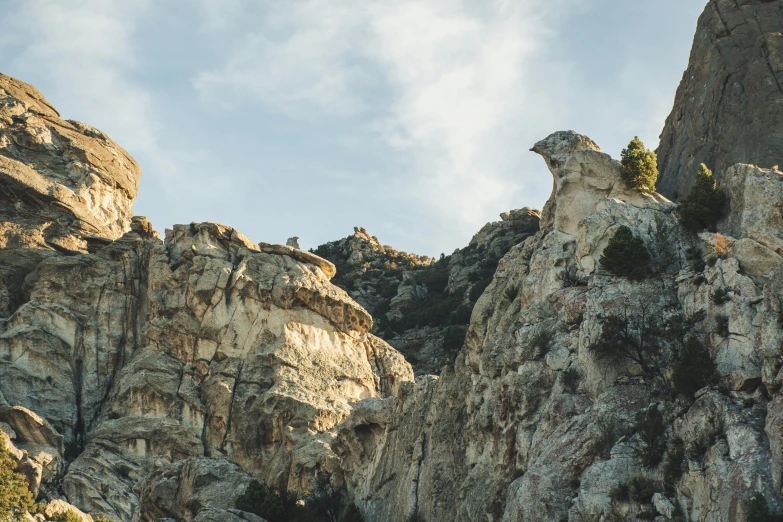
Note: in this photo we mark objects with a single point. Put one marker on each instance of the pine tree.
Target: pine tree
(626, 255)
(704, 205)
(639, 167)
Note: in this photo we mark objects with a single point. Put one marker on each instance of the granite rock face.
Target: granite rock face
(422, 306)
(531, 425)
(128, 363)
(61, 181)
(729, 106)
(153, 380)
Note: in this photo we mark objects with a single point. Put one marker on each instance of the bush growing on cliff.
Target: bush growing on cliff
(673, 467)
(651, 429)
(352, 514)
(626, 255)
(704, 205)
(694, 368)
(262, 501)
(67, 516)
(632, 335)
(639, 167)
(758, 509)
(15, 497)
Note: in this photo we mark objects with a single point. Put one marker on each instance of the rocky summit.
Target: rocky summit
(729, 106)
(597, 361)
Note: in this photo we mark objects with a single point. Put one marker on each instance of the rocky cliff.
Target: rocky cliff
(155, 380)
(421, 306)
(144, 379)
(531, 424)
(729, 106)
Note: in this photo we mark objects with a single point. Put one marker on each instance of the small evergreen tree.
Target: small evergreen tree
(694, 368)
(262, 501)
(352, 514)
(704, 205)
(15, 496)
(651, 428)
(639, 167)
(626, 255)
(758, 510)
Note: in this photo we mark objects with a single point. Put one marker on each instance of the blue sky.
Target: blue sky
(411, 118)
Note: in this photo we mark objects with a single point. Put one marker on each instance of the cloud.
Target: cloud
(84, 49)
(450, 84)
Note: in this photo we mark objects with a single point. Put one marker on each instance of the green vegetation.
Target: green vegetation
(651, 429)
(439, 307)
(454, 338)
(541, 341)
(694, 368)
(639, 167)
(352, 514)
(608, 433)
(262, 501)
(704, 205)
(758, 509)
(570, 379)
(673, 467)
(638, 336)
(721, 296)
(630, 337)
(626, 255)
(67, 516)
(637, 488)
(323, 504)
(15, 497)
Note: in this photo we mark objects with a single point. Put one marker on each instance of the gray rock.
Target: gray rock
(729, 106)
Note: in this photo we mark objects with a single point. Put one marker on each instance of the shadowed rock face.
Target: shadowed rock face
(729, 106)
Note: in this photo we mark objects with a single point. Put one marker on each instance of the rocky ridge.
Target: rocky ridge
(154, 380)
(131, 366)
(729, 106)
(532, 425)
(422, 306)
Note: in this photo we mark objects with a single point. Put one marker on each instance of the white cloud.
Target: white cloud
(459, 82)
(84, 48)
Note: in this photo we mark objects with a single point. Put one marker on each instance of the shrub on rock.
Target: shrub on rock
(694, 368)
(16, 500)
(626, 255)
(639, 167)
(704, 205)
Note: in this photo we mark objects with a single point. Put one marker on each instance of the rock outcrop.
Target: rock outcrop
(729, 106)
(421, 306)
(531, 424)
(128, 363)
(156, 380)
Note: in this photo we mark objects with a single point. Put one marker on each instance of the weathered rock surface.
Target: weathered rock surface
(420, 306)
(60, 181)
(508, 435)
(127, 362)
(154, 380)
(729, 106)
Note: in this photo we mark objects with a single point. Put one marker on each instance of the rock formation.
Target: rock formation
(532, 425)
(729, 106)
(420, 306)
(155, 380)
(131, 364)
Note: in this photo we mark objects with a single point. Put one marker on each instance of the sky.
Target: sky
(411, 118)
